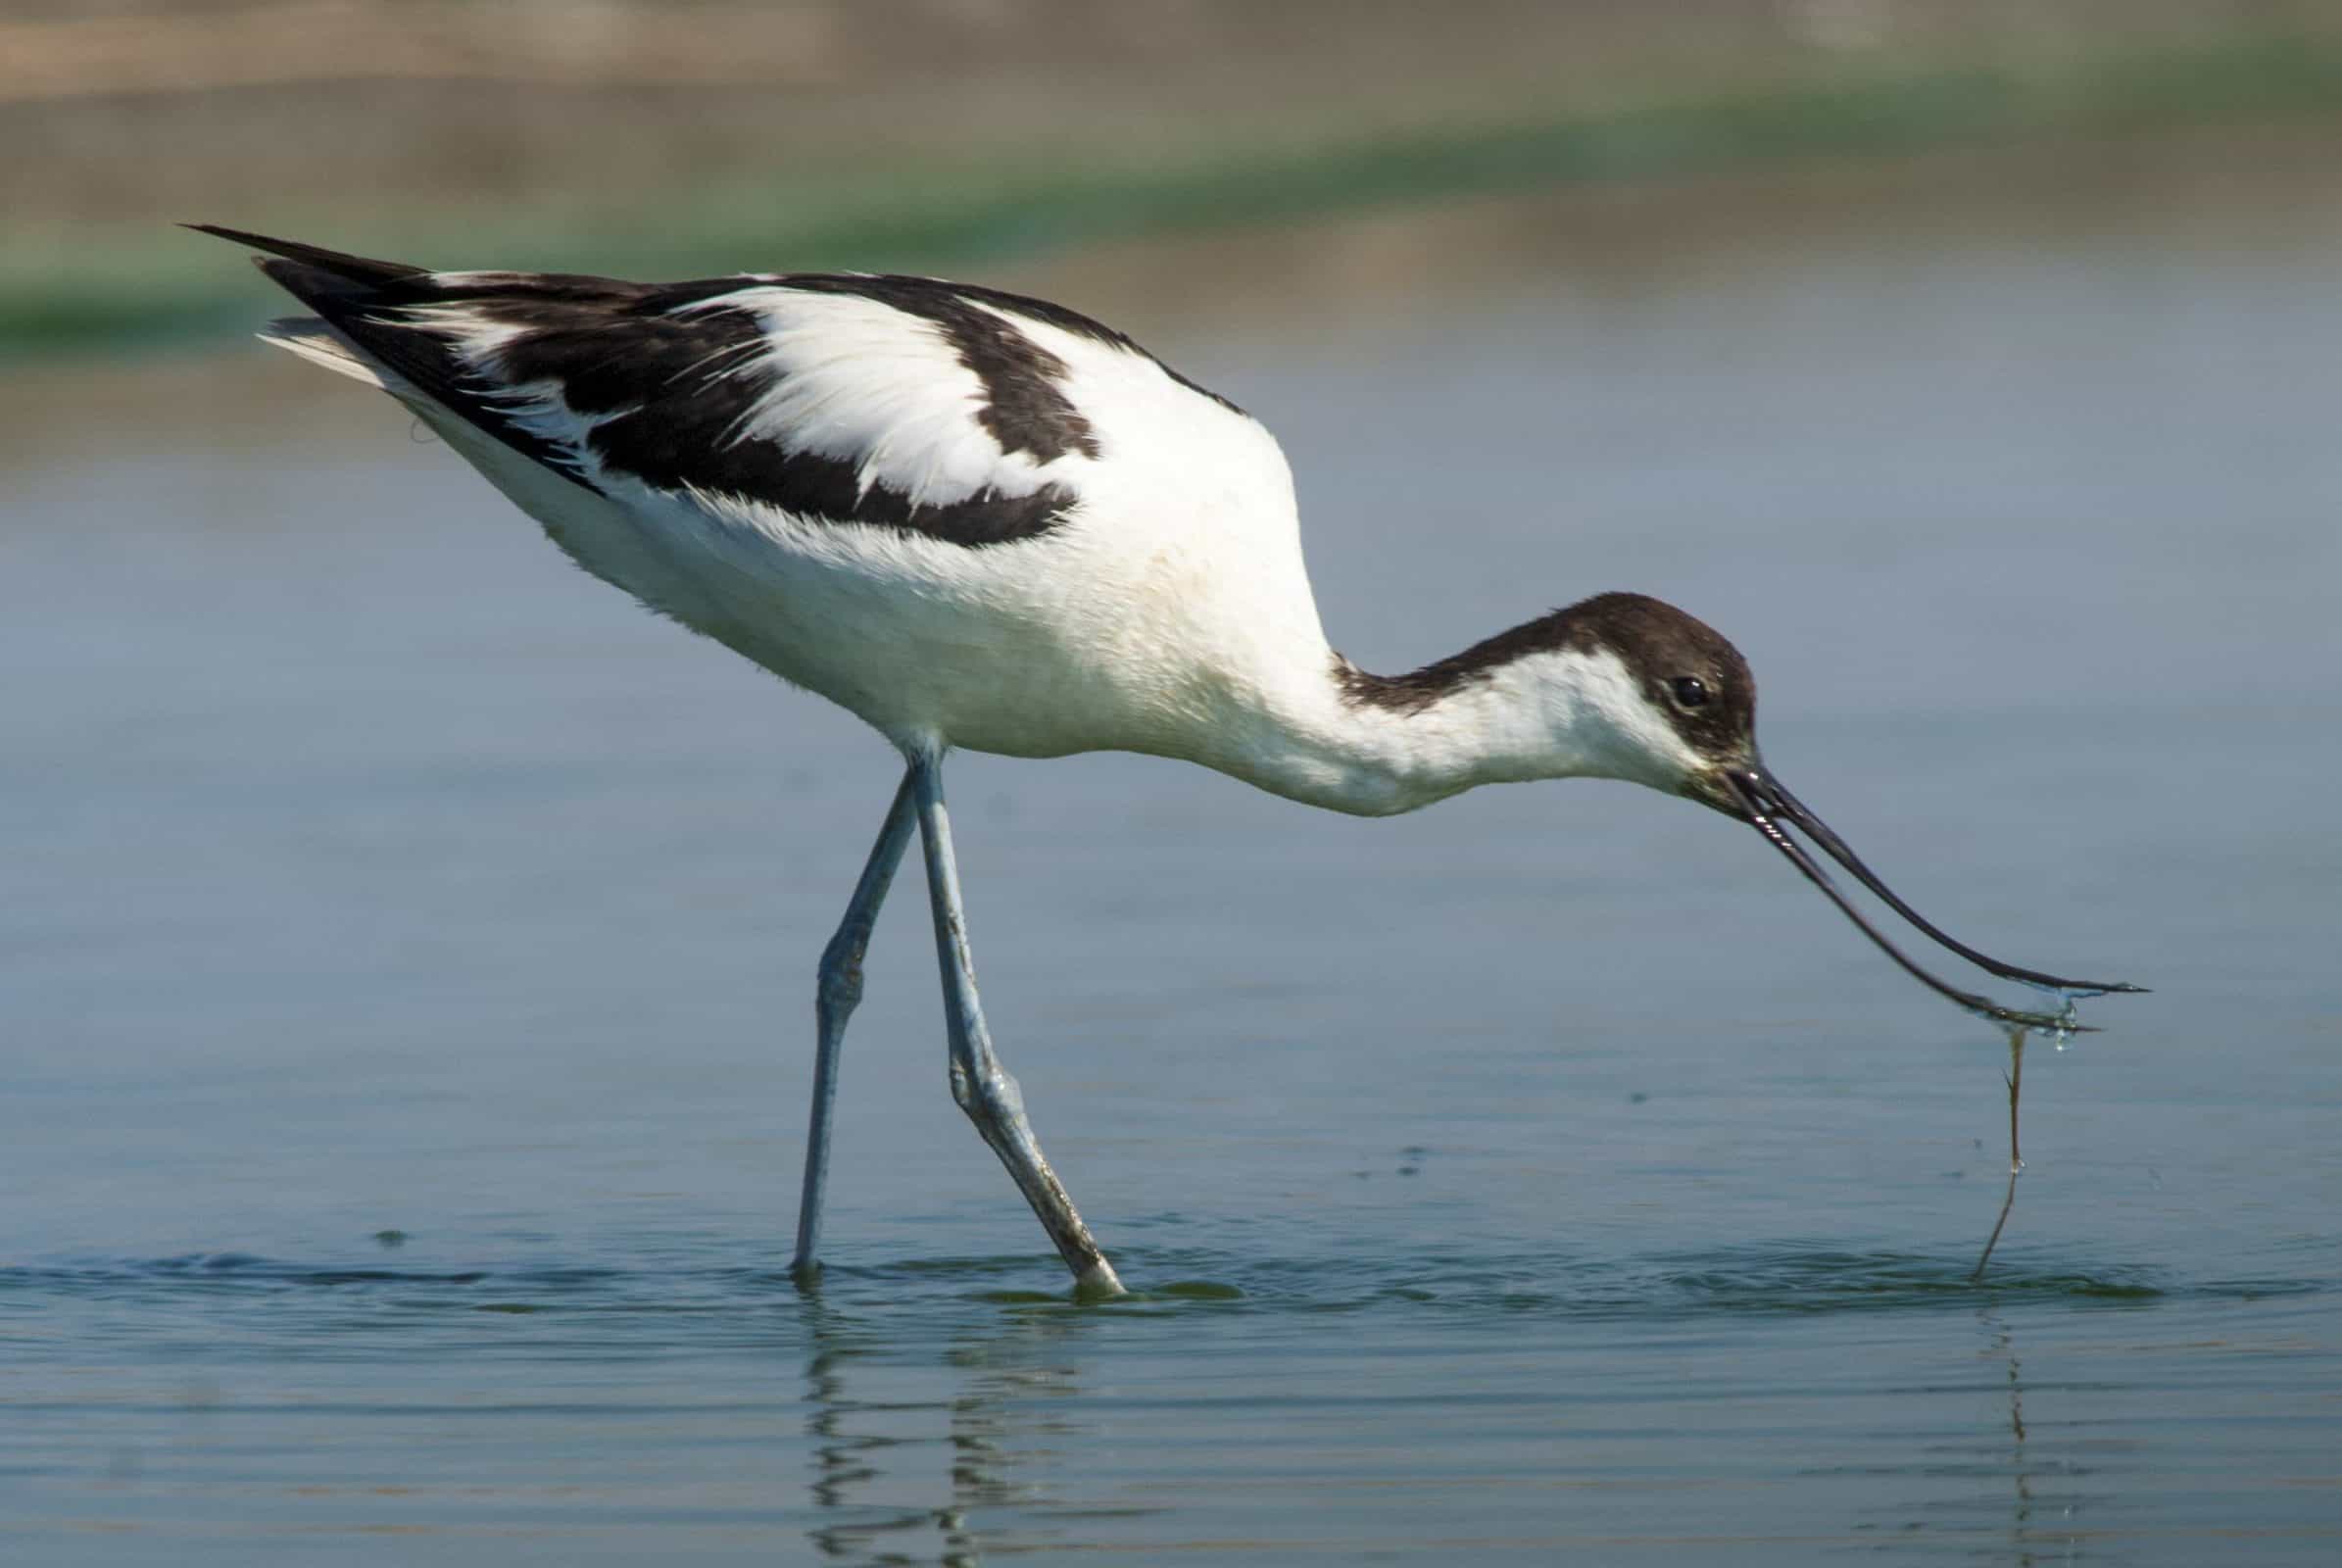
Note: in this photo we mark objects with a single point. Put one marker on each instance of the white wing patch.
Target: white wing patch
(859, 380)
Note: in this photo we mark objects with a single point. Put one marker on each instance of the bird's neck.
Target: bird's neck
(1376, 746)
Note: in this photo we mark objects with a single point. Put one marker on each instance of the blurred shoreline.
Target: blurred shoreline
(1298, 287)
(714, 137)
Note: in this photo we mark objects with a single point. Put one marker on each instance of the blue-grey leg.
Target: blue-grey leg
(979, 1083)
(835, 995)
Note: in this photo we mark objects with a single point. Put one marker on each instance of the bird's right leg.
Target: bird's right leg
(979, 1083)
(835, 997)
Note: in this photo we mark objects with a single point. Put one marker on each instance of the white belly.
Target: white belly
(1134, 637)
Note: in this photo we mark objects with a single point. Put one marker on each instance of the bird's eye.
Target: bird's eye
(1689, 691)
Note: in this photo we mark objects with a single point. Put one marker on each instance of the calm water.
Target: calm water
(406, 961)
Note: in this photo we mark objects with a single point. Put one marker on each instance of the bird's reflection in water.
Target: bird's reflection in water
(877, 1494)
(2025, 1541)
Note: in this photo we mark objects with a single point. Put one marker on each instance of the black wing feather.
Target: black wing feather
(669, 389)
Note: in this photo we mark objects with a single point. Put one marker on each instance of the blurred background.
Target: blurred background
(707, 135)
(406, 943)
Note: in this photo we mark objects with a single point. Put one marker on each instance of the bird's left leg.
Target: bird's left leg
(838, 990)
(979, 1083)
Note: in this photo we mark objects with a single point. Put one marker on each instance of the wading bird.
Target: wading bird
(983, 521)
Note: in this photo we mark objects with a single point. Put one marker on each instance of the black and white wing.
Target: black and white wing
(941, 409)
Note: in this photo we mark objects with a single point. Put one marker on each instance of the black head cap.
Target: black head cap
(1687, 669)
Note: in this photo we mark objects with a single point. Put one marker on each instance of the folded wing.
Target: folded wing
(935, 409)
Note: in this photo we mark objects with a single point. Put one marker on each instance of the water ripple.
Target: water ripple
(1785, 1277)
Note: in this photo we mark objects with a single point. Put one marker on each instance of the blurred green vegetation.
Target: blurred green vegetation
(126, 284)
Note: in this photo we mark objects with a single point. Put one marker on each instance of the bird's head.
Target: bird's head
(1657, 697)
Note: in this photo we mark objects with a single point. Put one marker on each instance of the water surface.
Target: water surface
(404, 975)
